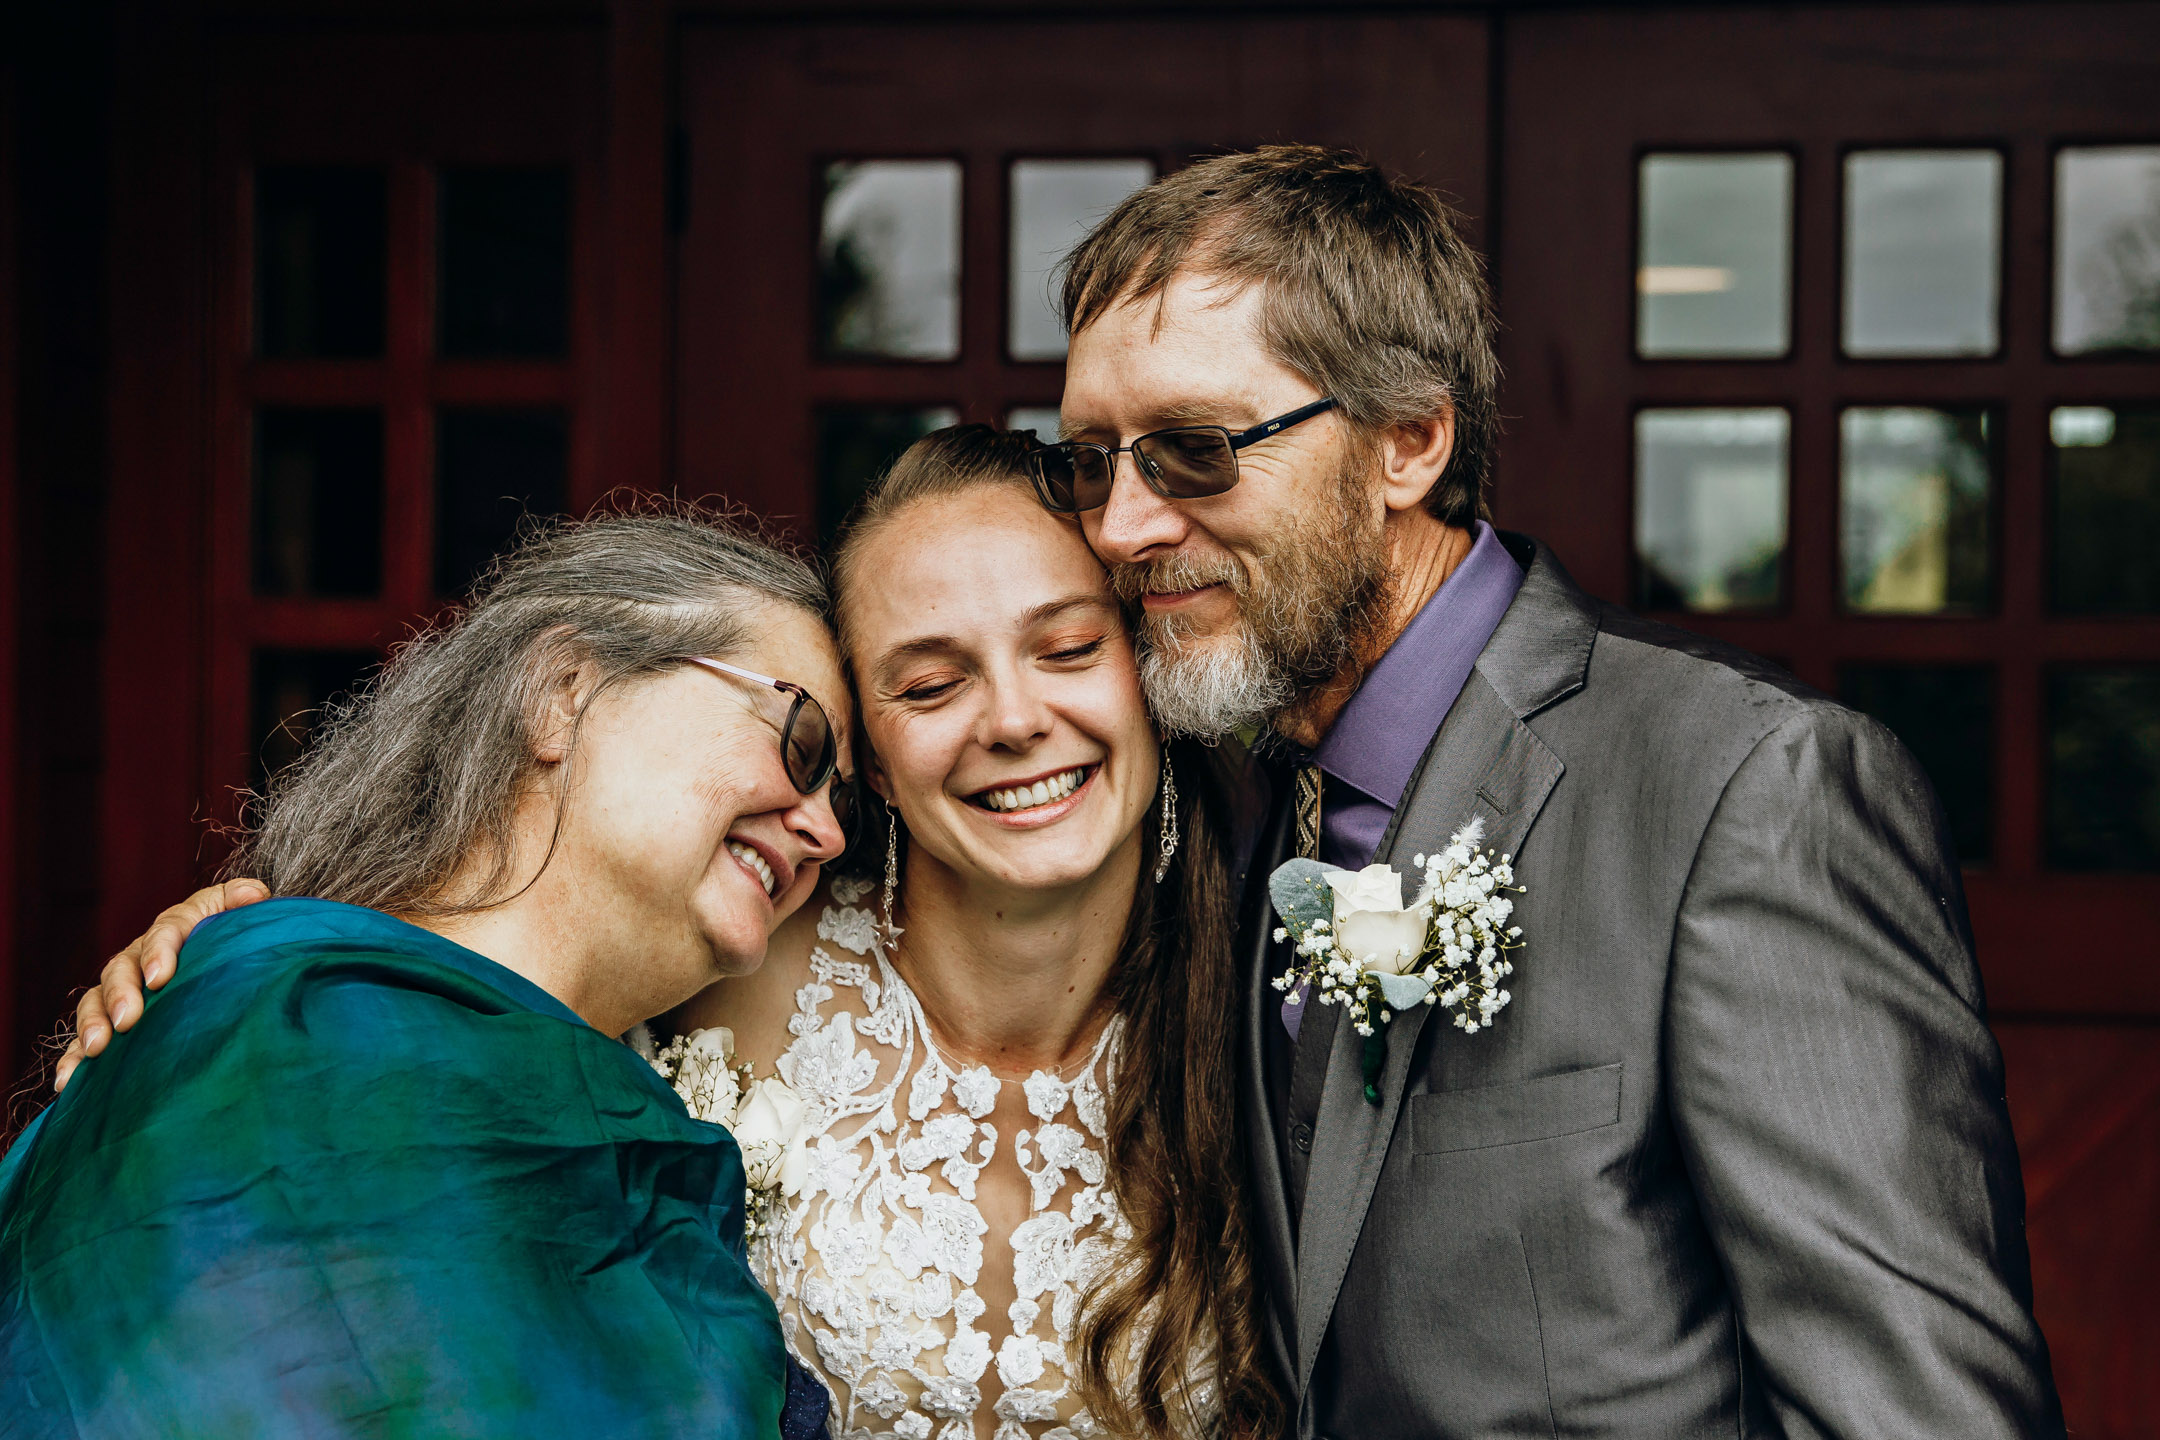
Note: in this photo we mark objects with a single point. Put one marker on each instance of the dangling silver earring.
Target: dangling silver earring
(1166, 843)
(892, 872)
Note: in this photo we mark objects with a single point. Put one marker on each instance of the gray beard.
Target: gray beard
(1208, 692)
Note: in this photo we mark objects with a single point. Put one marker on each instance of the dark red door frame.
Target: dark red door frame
(182, 387)
(10, 606)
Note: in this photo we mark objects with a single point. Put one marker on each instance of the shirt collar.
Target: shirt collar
(1382, 734)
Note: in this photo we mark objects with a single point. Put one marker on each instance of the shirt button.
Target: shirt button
(1301, 1138)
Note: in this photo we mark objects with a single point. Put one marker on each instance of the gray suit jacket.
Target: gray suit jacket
(1735, 1160)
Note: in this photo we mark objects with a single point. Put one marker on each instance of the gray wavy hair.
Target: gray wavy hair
(405, 784)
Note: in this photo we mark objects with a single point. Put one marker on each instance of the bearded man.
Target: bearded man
(1735, 1160)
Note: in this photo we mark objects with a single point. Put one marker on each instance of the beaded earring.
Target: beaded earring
(892, 872)
(1167, 841)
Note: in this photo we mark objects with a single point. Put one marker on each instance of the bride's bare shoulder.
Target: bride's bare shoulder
(757, 1006)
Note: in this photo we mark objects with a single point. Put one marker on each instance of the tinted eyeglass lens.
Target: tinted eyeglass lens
(809, 746)
(843, 807)
(1072, 477)
(1189, 463)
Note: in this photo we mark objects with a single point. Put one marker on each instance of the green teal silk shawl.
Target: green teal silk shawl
(348, 1178)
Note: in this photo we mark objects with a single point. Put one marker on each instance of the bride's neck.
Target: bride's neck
(1014, 979)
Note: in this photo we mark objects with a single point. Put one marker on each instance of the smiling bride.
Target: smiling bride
(1011, 1207)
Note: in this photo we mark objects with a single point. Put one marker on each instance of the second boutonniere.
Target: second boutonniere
(1359, 946)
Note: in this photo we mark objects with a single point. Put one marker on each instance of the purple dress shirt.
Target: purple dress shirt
(1369, 755)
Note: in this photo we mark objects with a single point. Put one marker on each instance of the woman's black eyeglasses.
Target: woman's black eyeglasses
(1179, 464)
(808, 750)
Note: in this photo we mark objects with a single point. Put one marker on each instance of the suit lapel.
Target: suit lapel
(1256, 1106)
(1485, 762)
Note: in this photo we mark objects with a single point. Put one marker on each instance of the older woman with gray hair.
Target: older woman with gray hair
(374, 1163)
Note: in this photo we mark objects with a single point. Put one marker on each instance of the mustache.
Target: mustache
(1168, 574)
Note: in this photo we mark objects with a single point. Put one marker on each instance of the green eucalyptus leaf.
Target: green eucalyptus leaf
(1300, 892)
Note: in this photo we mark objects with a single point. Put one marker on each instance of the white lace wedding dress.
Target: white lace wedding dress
(875, 1263)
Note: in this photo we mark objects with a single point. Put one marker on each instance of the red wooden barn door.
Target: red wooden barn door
(1827, 334)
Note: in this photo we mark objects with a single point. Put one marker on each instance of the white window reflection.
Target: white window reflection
(1054, 204)
(1923, 252)
(889, 259)
(1915, 496)
(1715, 256)
(1710, 507)
(2107, 249)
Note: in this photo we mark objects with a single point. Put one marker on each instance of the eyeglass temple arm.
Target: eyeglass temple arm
(1281, 422)
(726, 669)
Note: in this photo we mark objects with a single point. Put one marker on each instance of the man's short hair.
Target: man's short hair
(1369, 290)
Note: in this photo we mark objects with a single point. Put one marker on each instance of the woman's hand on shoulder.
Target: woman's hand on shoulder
(115, 1003)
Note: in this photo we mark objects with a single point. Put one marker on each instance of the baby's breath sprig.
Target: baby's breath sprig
(1362, 948)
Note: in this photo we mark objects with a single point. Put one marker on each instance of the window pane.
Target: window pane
(318, 502)
(1710, 508)
(856, 444)
(2107, 249)
(287, 693)
(505, 262)
(1042, 419)
(1917, 494)
(1946, 716)
(319, 262)
(1923, 251)
(1716, 256)
(2107, 510)
(492, 469)
(1054, 204)
(889, 259)
(2103, 809)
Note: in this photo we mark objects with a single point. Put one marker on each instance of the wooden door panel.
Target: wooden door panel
(2086, 1104)
(766, 104)
(1586, 95)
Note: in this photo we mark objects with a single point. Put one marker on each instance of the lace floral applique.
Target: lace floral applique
(875, 1264)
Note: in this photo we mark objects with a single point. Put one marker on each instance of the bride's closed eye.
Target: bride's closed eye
(1075, 649)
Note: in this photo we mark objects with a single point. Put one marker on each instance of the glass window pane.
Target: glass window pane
(855, 444)
(492, 469)
(1042, 419)
(2107, 248)
(1716, 256)
(319, 251)
(1710, 508)
(1923, 251)
(2106, 501)
(1917, 494)
(1945, 714)
(318, 502)
(889, 259)
(1054, 204)
(505, 282)
(286, 696)
(2103, 803)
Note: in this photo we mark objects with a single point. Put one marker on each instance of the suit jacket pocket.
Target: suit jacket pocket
(1540, 1109)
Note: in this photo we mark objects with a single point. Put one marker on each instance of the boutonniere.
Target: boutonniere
(1360, 947)
(767, 1118)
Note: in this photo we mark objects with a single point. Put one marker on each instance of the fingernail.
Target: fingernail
(120, 1013)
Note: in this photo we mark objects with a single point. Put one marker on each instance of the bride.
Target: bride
(1014, 1207)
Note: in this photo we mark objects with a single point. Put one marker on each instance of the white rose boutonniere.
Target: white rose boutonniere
(767, 1118)
(1359, 946)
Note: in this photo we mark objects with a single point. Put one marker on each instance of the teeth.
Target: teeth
(754, 860)
(1042, 792)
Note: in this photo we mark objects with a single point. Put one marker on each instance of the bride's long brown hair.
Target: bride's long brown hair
(1188, 1283)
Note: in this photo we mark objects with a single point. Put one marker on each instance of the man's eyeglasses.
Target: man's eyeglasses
(808, 749)
(1179, 464)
